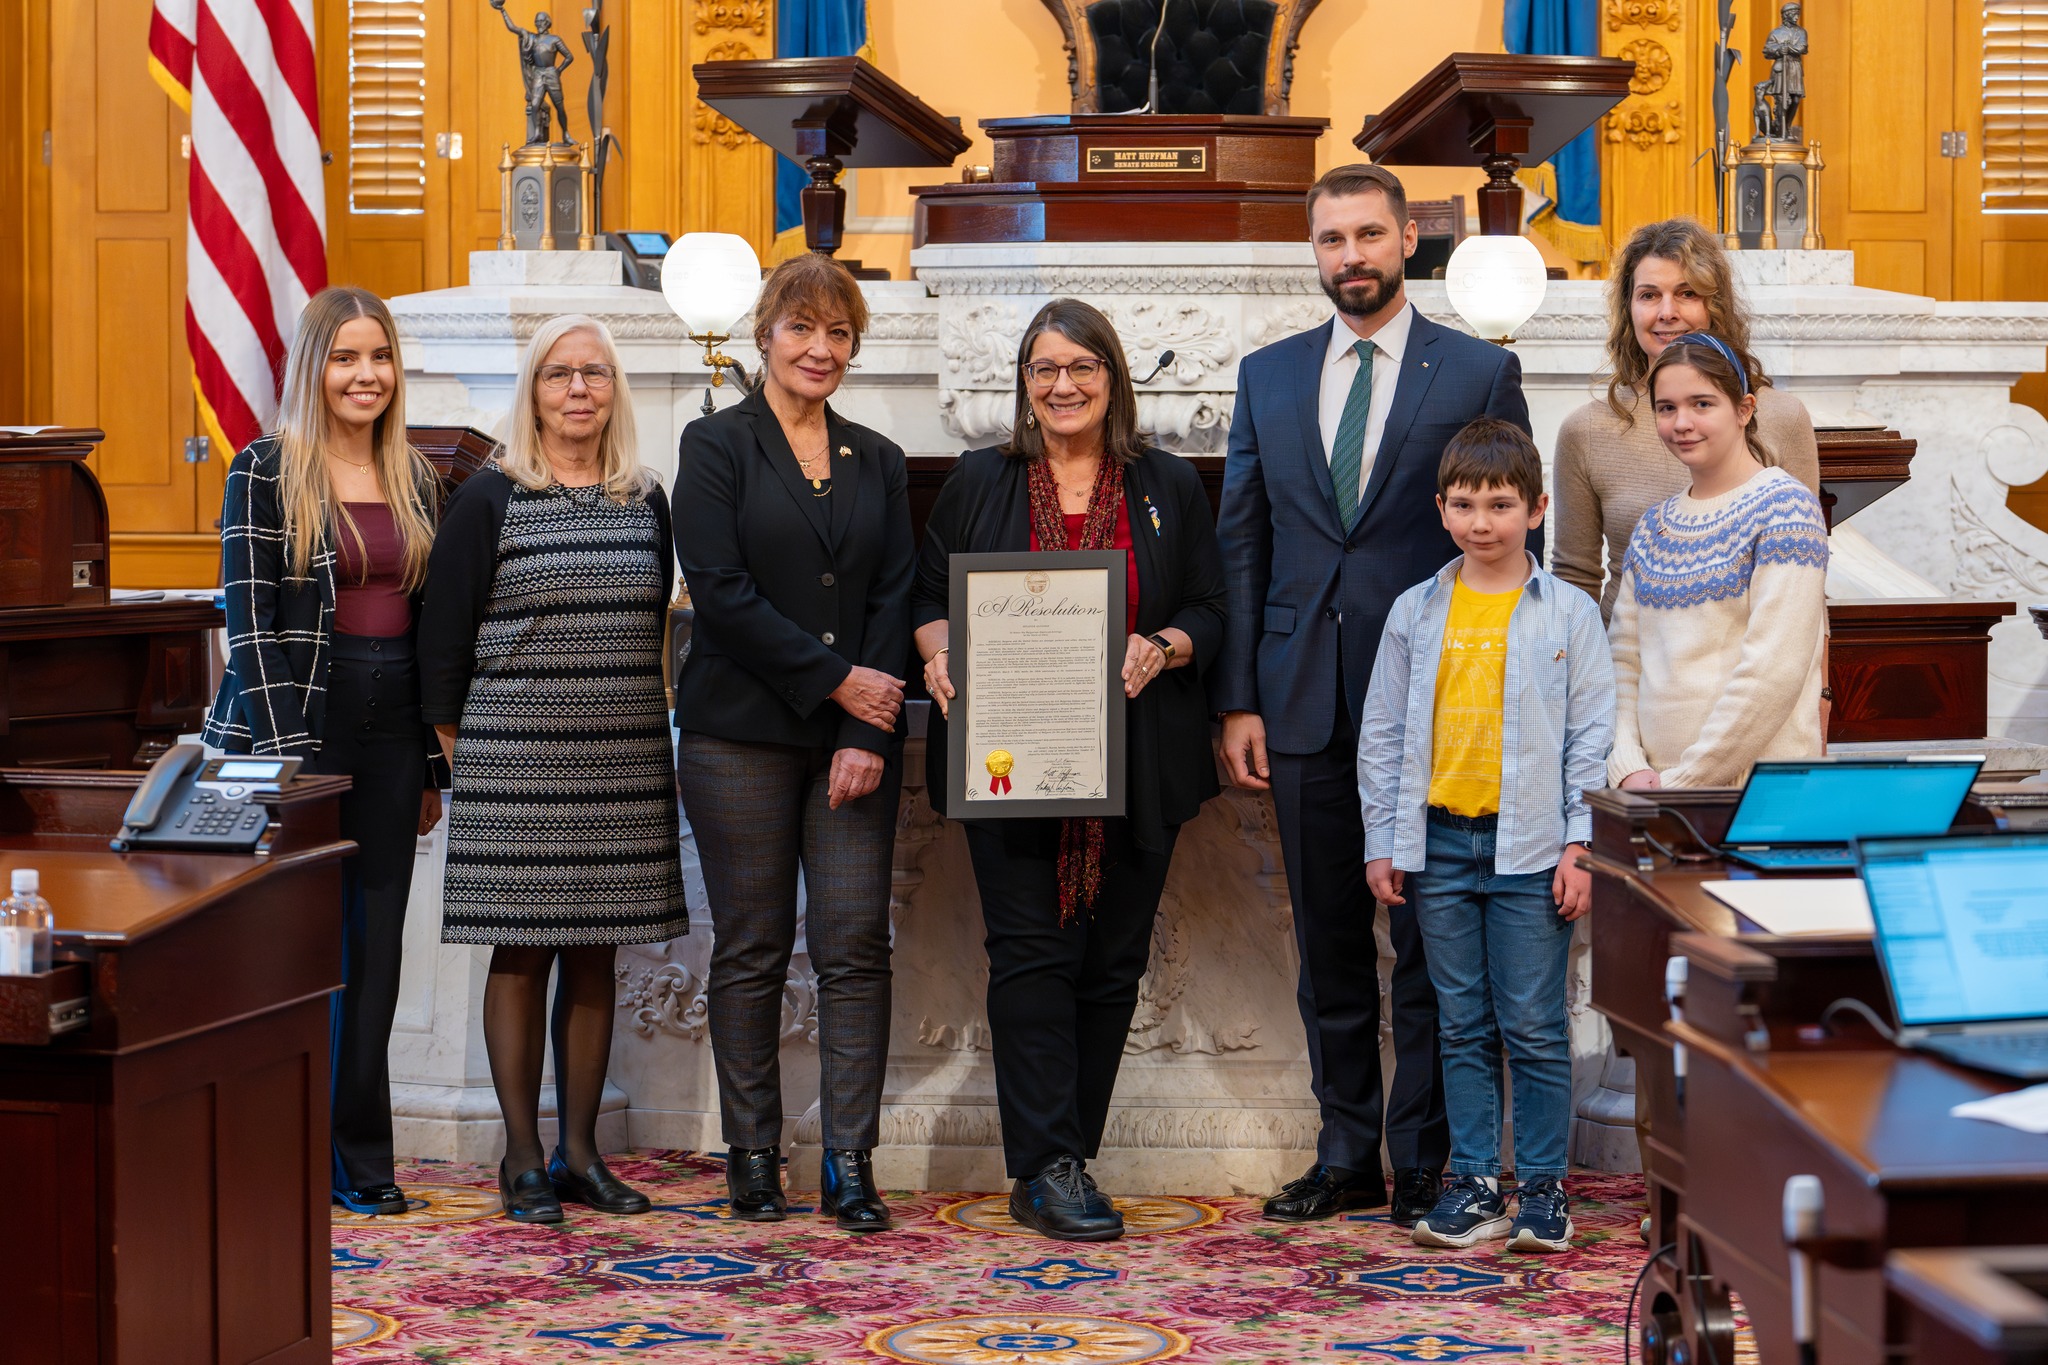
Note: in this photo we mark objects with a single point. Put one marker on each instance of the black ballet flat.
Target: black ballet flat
(529, 1196)
(753, 1179)
(847, 1192)
(596, 1188)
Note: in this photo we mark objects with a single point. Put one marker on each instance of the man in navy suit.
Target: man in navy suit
(1328, 515)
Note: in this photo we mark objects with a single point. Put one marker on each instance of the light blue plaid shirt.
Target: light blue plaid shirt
(1557, 723)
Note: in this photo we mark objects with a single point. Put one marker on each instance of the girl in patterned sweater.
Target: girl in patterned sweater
(1719, 624)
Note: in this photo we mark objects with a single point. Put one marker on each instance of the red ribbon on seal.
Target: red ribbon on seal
(999, 784)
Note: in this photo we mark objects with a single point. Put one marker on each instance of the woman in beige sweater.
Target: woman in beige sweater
(1671, 278)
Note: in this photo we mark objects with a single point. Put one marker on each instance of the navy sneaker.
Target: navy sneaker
(1468, 1211)
(378, 1199)
(1543, 1217)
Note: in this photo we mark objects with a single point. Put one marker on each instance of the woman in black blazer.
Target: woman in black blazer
(325, 528)
(792, 527)
(1068, 904)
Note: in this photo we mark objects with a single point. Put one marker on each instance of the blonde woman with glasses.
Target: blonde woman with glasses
(541, 649)
(325, 531)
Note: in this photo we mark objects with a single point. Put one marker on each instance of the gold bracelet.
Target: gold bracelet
(937, 652)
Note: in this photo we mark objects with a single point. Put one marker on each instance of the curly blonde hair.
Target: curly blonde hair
(1695, 251)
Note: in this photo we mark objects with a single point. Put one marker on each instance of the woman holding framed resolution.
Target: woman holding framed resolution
(1068, 902)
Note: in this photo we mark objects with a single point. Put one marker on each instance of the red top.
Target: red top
(374, 604)
(1121, 541)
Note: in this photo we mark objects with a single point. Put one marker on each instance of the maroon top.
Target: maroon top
(1121, 541)
(375, 603)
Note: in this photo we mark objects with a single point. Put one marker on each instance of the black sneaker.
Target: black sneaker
(1543, 1217)
(1467, 1212)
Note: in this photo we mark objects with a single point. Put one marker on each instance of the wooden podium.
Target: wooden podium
(168, 1151)
(828, 114)
(1500, 109)
(1132, 178)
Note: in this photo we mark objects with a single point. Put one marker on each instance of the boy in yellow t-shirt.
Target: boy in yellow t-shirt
(1489, 716)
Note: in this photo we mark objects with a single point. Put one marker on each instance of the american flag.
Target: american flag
(256, 240)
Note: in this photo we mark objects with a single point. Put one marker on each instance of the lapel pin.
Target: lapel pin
(844, 451)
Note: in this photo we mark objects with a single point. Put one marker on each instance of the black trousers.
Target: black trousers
(372, 735)
(760, 812)
(1060, 997)
(1322, 839)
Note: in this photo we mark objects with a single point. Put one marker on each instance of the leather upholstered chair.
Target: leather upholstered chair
(1215, 57)
(1439, 227)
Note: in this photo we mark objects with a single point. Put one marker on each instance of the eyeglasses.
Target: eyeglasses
(556, 377)
(1043, 374)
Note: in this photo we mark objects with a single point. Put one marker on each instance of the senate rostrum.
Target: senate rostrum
(1024, 682)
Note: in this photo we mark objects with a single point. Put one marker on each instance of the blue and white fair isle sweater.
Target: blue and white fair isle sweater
(1718, 634)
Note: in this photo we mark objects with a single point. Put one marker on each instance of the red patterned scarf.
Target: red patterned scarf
(1080, 865)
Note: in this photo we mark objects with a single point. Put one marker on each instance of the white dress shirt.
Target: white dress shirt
(1340, 365)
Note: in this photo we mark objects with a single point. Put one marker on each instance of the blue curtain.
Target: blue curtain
(811, 28)
(1563, 28)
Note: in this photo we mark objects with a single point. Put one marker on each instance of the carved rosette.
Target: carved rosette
(1653, 65)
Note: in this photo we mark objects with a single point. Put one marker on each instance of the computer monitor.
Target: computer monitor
(1961, 925)
(1832, 801)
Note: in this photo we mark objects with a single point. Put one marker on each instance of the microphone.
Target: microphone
(1165, 359)
(1803, 1200)
(1151, 104)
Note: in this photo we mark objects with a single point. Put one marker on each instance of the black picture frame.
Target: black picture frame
(1113, 564)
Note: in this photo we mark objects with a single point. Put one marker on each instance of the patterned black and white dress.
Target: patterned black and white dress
(541, 639)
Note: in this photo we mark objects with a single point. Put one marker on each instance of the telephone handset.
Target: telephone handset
(213, 805)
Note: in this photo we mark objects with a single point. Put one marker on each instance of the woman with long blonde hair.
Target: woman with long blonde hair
(541, 653)
(325, 530)
(1670, 279)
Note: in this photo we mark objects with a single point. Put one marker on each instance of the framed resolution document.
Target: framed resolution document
(1037, 653)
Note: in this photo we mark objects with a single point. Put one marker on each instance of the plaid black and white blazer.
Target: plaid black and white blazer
(274, 694)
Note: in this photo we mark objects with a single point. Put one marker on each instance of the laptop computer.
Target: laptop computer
(1961, 927)
(1800, 815)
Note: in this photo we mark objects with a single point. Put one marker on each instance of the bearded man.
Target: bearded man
(1328, 515)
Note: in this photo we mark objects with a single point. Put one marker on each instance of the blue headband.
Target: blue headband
(1727, 353)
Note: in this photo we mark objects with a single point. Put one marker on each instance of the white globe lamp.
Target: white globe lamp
(1496, 283)
(711, 279)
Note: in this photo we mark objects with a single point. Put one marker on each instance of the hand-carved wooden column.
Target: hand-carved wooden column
(728, 181)
(1649, 140)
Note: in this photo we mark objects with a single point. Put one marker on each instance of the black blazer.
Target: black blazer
(790, 590)
(985, 508)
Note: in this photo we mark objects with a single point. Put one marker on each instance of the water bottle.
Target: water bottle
(27, 926)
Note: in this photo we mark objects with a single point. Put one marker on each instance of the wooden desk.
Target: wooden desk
(1974, 1307)
(170, 1161)
(1745, 990)
(1869, 1120)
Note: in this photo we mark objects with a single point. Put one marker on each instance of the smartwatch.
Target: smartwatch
(1165, 645)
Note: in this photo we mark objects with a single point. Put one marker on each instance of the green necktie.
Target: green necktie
(1347, 456)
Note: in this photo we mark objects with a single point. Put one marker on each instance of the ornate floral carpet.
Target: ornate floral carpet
(1203, 1281)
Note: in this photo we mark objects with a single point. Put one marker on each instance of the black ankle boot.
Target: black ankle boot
(753, 1179)
(847, 1191)
(1056, 1203)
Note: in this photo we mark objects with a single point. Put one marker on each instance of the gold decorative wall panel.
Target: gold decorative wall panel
(1649, 140)
(729, 177)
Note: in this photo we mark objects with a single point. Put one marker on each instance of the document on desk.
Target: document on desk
(1797, 905)
(2026, 1110)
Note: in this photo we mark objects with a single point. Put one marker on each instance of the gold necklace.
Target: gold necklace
(359, 468)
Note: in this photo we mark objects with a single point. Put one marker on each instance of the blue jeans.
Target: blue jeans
(1497, 950)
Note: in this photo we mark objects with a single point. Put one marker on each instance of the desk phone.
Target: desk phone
(189, 801)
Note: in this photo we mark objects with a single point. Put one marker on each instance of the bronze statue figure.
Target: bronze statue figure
(542, 76)
(1786, 51)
